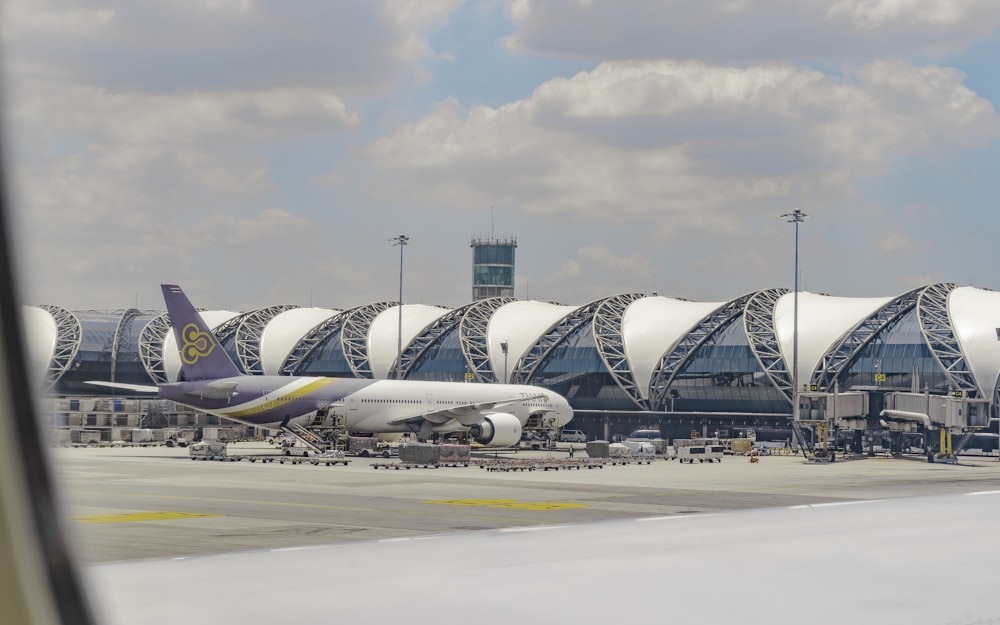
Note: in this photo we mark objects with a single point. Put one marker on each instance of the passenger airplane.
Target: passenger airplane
(493, 414)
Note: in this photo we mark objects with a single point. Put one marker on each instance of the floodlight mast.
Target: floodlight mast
(796, 217)
(505, 347)
(400, 242)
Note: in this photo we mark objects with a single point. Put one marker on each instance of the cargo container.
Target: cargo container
(141, 435)
(420, 453)
(455, 454)
(208, 450)
(597, 449)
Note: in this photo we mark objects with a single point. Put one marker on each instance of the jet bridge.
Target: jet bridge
(949, 414)
(819, 411)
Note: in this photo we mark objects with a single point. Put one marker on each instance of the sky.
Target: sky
(260, 152)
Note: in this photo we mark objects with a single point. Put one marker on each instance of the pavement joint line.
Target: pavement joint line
(533, 528)
(834, 503)
(674, 517)
(302, 548)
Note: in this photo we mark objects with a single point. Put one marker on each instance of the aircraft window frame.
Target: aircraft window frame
(29, 457)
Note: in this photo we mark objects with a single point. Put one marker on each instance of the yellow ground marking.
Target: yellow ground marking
(510, 503)
(261, 502)
(131, 517)
(288, 504)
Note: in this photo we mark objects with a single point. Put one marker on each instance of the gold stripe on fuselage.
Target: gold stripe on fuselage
(277, 401)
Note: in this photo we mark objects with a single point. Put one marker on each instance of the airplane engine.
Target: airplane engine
(500, 429)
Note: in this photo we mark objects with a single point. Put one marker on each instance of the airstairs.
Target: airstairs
(322, 433)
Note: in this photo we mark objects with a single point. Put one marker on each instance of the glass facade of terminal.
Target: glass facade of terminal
(93, 358)
(327, 358)
(724, 376)
(896, 353)
(442, 361)
(574, 369)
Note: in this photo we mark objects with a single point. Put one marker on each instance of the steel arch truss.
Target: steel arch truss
(472, 334)
(837, 359)
(151, 341)
(307, 344)
(248, 334)
(673, 361)
(935, 324)
(529, 363)
(69, 333)
(126, 318)
(607, 326)
(228, 329)
(354, 337)
(413, 352)
(758, 323)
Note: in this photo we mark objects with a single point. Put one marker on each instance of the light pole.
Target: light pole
(504, 347)
(400, 242)
(796, 217)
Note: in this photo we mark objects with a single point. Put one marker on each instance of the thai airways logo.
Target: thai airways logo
(197, 344)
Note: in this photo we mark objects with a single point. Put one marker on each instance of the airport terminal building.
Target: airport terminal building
(624, 361)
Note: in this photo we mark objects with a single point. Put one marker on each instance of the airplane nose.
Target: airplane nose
(565, 415)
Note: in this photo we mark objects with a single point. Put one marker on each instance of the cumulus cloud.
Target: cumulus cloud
(597, 271)
(748, 31)
(111, 153)
(133, 118)
(697, 144)
(166, 45)
(125, 133)
(183, 134)
(899, 242)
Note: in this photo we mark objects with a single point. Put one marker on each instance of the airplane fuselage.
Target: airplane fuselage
(367, 405)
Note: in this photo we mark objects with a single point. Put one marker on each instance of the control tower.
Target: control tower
(493, 267)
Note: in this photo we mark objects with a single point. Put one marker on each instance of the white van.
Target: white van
(572, 436)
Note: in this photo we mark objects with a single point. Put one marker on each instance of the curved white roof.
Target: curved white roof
(975, 316)
(383, 335)
(651, 325)
(40, 340)
(172, 359)
(283, 332)
(822, 320)
(520, 324)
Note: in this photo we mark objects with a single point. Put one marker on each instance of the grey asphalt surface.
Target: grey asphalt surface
(145, 502)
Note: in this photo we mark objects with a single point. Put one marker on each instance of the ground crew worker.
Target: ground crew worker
(570, 451)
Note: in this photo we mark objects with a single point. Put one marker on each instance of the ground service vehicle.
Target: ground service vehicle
(572, 436)
(691, 453)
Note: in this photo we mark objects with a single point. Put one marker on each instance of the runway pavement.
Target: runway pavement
(132, 503)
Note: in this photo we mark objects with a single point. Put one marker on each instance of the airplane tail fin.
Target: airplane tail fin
(202, 356)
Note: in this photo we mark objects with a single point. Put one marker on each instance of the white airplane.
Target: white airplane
(493, 414)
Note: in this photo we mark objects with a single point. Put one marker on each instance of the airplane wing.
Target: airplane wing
(138, 388)
(773, 564)
(464, 412)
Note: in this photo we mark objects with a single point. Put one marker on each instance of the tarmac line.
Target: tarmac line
(132, 517)
(510, 504)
